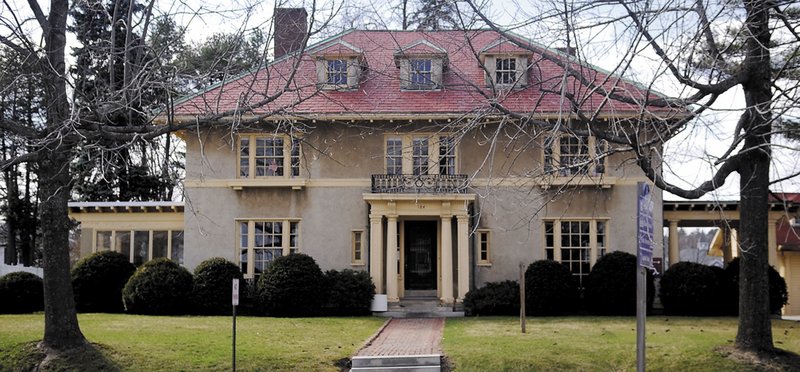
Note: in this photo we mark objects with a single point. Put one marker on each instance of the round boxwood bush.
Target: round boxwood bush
(98, 280)
(159, 287)
(350, 292)
(778, 293)
(550, 289)
(21, 292)
(689, 288)
(292, 285)
(495, 298)
(611, 285)
(213, 285)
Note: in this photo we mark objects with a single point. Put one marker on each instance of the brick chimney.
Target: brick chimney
(290, 30)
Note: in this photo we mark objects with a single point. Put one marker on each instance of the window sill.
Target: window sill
(336, 87)
(294, 183)
(583, 180)
(484, 264)
(358, 264)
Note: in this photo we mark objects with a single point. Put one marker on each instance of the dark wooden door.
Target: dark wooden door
(420, 255)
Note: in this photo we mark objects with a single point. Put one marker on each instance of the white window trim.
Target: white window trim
(131, 253)
(521, 68)
(555, 153)
(357, 236)
(478, 234)
(353, 72)
(408, 151)
(287, 155)
(593, 248)
(251, 240)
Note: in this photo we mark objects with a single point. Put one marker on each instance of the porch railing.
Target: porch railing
(425, 183)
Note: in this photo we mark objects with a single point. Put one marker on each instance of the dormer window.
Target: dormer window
(339, 66)
(505, 71)
(506, 65)
(421, 72)
(422, 66)
(337, 72)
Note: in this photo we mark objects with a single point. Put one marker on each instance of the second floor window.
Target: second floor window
(570, 155)
(419, 154)
(337, 72)
(505, 71)
(269, 156)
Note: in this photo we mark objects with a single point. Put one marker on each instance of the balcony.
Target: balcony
(419, 184)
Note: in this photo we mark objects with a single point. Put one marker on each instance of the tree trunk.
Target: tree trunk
(755, 330)
(61, 330)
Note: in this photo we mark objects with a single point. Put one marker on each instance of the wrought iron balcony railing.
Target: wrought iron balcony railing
(425, 183)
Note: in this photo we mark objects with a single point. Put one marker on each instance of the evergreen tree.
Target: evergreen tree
(434, 15)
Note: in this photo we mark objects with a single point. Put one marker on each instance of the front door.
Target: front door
(420, 255)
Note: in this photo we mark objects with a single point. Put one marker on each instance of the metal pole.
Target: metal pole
(641, 314)
(234, 339)
(522, 297)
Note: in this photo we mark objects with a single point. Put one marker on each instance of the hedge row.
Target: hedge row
(610, 289)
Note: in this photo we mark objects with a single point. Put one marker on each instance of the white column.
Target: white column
(674, 254)
(391, 259)
(376, 251)
(447, 260)
(463, 256)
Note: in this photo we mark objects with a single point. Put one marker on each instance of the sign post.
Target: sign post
(234, 302)
(644, 258)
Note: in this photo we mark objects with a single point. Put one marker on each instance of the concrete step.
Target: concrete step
(396, 360)
(406, 363)
(419, 314)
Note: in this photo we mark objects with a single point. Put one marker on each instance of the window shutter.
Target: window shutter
(522, 71)
(405, 77)
(322, 71)
(353, 73)
(490, 65)
(436, 72)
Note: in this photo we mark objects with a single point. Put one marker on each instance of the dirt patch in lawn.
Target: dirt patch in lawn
(778, 360)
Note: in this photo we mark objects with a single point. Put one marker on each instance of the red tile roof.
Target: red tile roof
(379, 92)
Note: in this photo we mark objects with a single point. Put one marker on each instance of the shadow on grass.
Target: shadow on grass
(778, 360)
(29, 357)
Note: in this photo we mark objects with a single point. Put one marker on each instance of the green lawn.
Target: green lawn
(598, 343)
(154, 343)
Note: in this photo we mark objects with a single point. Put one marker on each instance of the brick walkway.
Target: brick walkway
(407, 337)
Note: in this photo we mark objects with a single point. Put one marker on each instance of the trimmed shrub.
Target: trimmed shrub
(611, 285)
(495, 298)
(293, 285)
(159, 287)
(213, 285)
(689, 288)
(21, 292)
(350, 292)
(778, 293)
(98, 280)
(550, 289)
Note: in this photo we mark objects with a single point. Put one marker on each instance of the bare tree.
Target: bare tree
(706, 50)
(69, 126)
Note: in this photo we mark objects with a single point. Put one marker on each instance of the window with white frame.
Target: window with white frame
(141, 246)
(420, 72)
(575, 243)
(423, 154)
(505, 71)
(569, 155)
(337, 72)
(262, 156)
(262, 241)
(483, 242)
(357, 256)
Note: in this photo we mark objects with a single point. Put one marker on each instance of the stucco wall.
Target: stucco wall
(338, 161)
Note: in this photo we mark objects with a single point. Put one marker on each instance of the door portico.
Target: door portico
(396, 218)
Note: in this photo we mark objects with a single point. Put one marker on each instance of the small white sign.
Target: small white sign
(235, 298)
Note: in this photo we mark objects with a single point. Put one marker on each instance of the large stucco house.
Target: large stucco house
(386, 153)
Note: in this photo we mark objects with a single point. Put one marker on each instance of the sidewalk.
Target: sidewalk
(407, 336)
